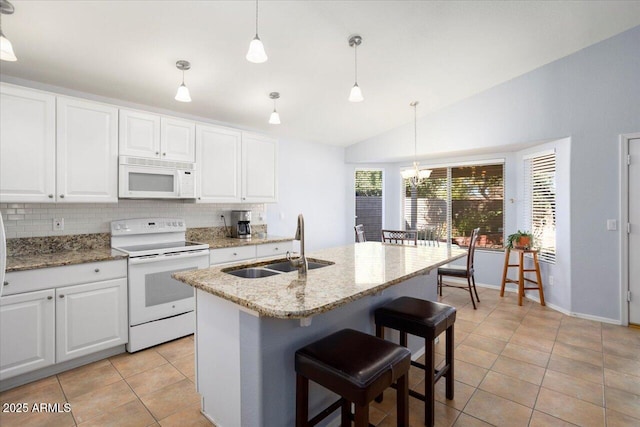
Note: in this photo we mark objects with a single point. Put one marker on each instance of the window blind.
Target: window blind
(540, 190)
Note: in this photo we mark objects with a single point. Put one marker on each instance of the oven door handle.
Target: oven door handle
(157, 258)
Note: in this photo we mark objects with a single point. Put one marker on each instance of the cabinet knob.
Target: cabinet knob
(97, 270)
(51, 196)
(275, 249)
(157, 153)
(49, 297)
(61, 296)
(62, 196)
(164, 154)
(235, 254)
(5, 284)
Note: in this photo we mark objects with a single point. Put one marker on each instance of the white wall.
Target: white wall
(592, 97)
(311, 181)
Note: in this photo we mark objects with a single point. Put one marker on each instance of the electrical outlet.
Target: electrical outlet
(550, 280)
(58, 224)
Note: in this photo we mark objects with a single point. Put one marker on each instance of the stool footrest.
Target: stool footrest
(418, 365)
(441, 372)
(412, 393)
(326, 412)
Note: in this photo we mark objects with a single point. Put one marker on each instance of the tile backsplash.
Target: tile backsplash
(36, 219)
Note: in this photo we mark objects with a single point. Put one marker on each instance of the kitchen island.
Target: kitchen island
(248, 330)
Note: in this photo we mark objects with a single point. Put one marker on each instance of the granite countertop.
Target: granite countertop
(359, 270)
(229, 242)
(60, 258)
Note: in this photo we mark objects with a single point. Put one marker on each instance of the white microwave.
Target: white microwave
(141, 178)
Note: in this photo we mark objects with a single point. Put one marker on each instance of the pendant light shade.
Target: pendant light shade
(356, 93)
(183, 94)
(6, 48)
(256, 53)
(415, 175)
(274, 119)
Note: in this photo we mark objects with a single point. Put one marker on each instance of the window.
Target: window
(368, 186)
(540, 202)
(454, 200)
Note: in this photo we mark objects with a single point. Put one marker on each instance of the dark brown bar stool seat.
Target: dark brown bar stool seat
(426, 319)
(356, 366)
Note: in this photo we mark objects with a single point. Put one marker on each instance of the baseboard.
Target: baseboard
(536, 298)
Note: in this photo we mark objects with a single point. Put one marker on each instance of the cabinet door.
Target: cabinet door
(218, 164)
(87, 152)
(90, 318)
(259, 169)
(27, 332)
(27, 145)
(139, 134)
(177, 140)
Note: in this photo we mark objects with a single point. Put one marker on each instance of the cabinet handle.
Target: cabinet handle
(49, 297)
(51, 196)
(61, 296)
(5, 284)
(97, 270)
(62, 196)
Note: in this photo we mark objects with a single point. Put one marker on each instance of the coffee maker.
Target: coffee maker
(241, 224)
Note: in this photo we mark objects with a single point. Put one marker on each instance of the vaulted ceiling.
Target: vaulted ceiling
(438, 52)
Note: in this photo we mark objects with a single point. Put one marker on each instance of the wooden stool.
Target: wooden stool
(426, 319)
(521, 270)
(356, 366)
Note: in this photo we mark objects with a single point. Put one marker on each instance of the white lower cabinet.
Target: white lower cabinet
(90, 318)
(27, 338)
(52, 315)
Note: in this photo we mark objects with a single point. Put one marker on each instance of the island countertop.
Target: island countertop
(359, 270)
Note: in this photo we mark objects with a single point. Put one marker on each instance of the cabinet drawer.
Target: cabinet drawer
(269, 249)
(47, 278)
(239, 253)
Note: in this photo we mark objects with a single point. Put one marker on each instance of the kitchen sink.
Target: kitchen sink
(252, 273)
(285, 266)
(277, 267)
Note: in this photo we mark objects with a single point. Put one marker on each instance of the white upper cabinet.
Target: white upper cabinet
(152, 136)
(259, 169)
(27, 145)
(177, 140)
(139, 134)
(87, 152)
(218, 152)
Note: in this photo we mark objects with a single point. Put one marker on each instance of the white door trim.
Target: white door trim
(624, 220)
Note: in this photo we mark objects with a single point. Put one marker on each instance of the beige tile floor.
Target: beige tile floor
(515, 366)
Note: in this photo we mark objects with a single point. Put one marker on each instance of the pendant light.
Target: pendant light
(415, 175)
(274, 119)
(183, 92)
(6, 48)
(356, 92)
(256, 53)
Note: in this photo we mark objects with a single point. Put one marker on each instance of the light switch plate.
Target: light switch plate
(612, 225)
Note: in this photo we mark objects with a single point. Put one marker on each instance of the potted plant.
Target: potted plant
(520, 240)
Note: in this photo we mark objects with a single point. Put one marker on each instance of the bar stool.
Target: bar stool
(356, 366)
(521, 270)
(426, 319)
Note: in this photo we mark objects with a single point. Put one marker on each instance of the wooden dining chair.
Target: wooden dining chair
(400, 237)
(462, 272)
(360, 237)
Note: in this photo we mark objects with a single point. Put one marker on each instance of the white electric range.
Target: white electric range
(160, 308)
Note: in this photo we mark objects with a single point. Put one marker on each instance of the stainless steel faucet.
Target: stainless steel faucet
(300, 262)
